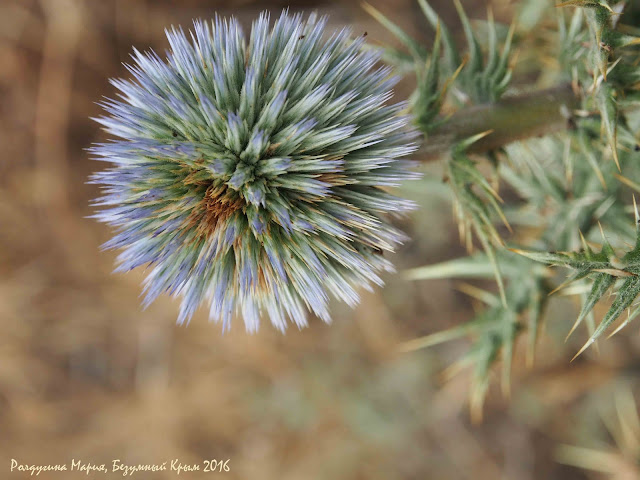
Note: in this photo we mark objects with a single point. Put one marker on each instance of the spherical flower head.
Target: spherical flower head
(253, 174)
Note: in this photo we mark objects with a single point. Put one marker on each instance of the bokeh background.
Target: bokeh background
(85, 373)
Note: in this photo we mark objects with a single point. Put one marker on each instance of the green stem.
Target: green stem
(510, 119)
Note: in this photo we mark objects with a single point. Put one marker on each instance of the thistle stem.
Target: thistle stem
(510, 119)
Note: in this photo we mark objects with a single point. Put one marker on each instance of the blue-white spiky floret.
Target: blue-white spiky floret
(253, 174)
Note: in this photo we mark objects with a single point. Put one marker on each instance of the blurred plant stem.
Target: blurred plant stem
(510, 119)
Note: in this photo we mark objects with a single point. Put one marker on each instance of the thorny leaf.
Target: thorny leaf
(605, 268)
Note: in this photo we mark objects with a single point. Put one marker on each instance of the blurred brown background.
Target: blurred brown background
(86, 374)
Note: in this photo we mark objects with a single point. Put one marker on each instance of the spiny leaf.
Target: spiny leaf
(473, 266)
(605, 268)
(587, 260)
(601, 284)
(589, 155)
(415, 49)
(615, 39)
(496, 328)
(626, 295)
(428, 96)
(537, 301)
(509, 332)
(609, 112)
(474, 207)
(483, 360)
(631, 316)
(444, 336)
(484, 81)
(475, 52)
(450, 50)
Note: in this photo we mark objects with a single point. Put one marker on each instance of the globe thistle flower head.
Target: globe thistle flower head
(252, 175)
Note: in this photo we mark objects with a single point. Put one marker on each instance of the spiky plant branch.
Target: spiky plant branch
(570, 183)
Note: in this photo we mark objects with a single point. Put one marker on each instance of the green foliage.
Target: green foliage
(429, 96)
(476, 200)
(477, 78)
(605, 268)
(451, 56)
(495, 328)
(484, 80)
(561, 190)
(602, 63)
